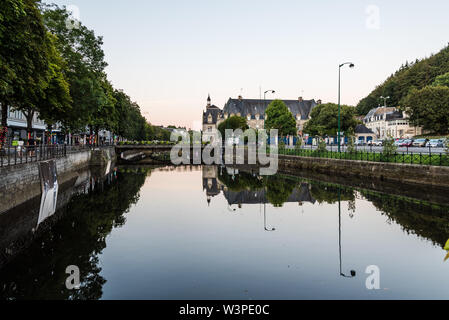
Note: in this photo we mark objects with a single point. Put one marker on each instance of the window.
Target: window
(209, 119)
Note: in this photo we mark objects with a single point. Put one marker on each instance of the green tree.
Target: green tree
(279, 117)
(83, 53)
(324, 120)
(415, 75)
(234, 123)
(389, 148)
(55, 101)
(429, 108)
(23, 56)
(442, 80)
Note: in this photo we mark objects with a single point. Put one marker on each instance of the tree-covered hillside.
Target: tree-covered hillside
(415, 75)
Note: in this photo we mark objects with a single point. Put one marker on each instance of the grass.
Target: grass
(435, 159)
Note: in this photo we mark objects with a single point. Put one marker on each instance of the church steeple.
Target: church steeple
(209, 101)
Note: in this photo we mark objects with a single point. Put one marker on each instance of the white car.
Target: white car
(376, 143)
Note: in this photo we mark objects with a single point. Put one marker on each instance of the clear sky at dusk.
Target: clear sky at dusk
(168, 55)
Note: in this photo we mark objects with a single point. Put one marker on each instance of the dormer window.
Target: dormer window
(209, 119)
(248, 117)
(257, 116)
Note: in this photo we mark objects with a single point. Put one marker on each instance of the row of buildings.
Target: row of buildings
(253, 110)
(379, 123)
(17, 130)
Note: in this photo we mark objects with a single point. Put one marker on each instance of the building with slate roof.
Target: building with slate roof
(253, 110)
(390, 122)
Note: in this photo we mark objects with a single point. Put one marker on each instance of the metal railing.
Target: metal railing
(15, 155)
(421, 158)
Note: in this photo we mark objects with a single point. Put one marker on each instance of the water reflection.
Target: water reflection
(132, 246)
(49, 184)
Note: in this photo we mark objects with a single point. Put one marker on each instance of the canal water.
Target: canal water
(222, 233)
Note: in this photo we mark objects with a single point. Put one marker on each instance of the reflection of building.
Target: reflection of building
(210, 182)
(299, 195)
(385, 122)
(214, 187)
(253, 110)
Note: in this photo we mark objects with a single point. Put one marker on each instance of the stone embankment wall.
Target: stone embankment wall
(396, 172)
(20, 183)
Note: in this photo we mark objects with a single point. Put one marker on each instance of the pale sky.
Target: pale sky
(168, 55)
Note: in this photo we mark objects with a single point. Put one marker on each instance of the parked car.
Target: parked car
(398, 142)
(359, 143)
(376, 143)
(420, 142)
(406, 143)
(436, 143)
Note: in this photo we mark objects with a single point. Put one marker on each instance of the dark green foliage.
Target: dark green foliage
(429, 108)
(280, 118)
(234, 122)
(410, 76)
(324, 120)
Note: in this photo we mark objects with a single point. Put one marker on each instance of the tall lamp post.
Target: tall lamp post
(351, 65)
(385, 100)
(264, 103)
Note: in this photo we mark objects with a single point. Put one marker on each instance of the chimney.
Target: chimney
(240, 98)
(300, 99)
(319, 101)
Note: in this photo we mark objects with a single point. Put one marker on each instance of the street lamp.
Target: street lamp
(264, 103)
(385, 100)
(265, 95)
(351, 65)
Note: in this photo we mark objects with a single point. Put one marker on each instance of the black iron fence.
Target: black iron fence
(420, 158)
(15, 155)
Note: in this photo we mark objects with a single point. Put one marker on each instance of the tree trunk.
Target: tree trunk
(4, 124)
(4, 114)
(29, 116)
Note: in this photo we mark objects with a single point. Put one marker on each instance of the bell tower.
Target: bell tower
(208, 101)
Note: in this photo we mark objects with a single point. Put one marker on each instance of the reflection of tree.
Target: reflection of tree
(279, 189)
(76, 239)
(329, 193)
(240, 182)
(424, 219)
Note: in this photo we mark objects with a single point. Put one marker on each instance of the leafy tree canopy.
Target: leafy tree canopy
(416, 75)
(324, 120)
(429, 108)
(234, 123)
(279, 117)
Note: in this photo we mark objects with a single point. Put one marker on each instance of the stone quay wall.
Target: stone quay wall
(395, 172)
(19, 183)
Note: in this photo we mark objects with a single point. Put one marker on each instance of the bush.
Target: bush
(322, 147)
(389, 147)
(298, 144)
(351, 145)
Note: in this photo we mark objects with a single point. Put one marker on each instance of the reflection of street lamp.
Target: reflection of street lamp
(353, 273)
(351, 65)
(265, 214)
